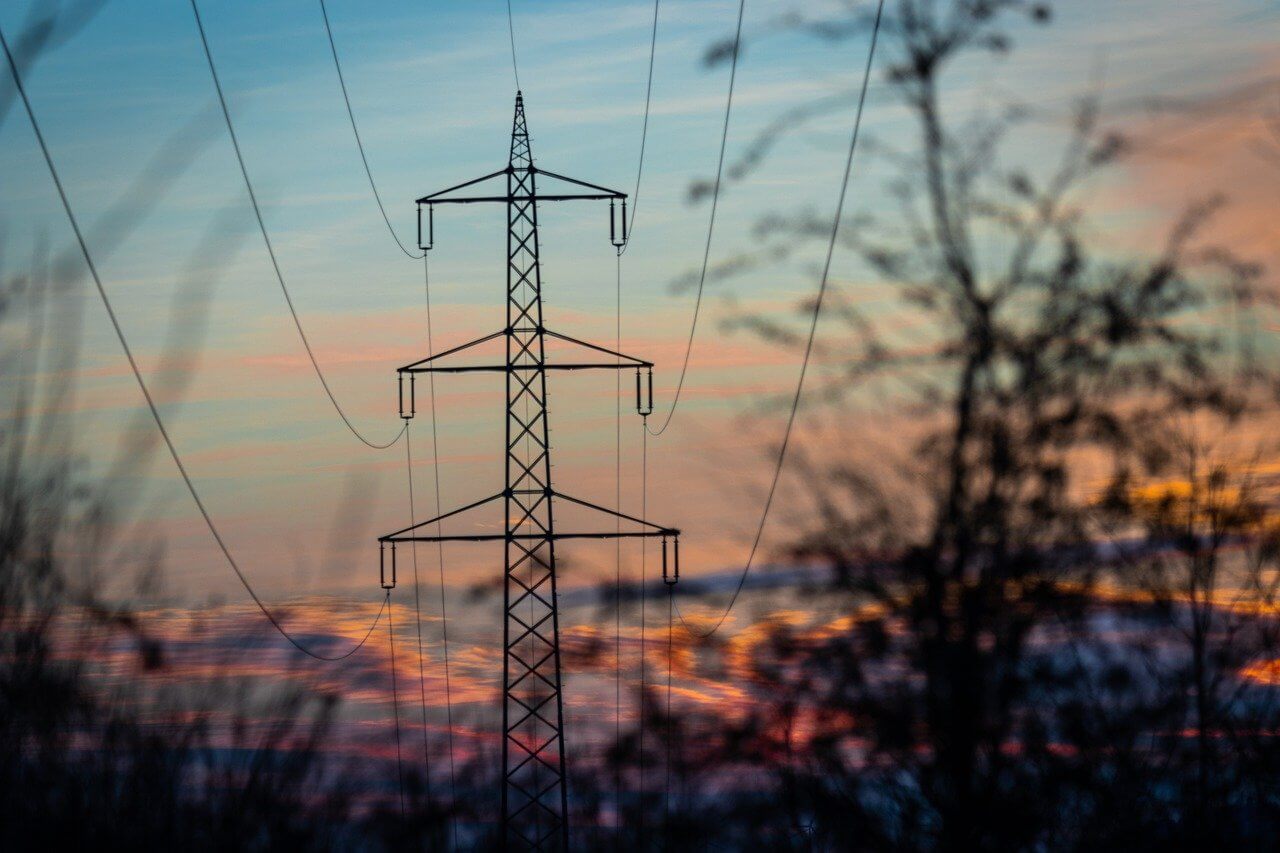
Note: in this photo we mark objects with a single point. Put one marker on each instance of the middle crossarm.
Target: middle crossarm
(430, 365)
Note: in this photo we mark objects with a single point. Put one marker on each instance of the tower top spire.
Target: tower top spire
(521, 156)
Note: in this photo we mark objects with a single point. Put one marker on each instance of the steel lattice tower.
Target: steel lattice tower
(535, 801)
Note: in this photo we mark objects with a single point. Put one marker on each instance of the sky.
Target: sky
(299, 499)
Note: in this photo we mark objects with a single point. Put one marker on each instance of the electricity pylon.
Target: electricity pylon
(535, 803)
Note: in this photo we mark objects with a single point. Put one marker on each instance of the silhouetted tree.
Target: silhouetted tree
(85, 763)
(978, 697)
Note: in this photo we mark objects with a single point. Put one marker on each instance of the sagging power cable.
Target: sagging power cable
(511, 31)
(617, 583)
(266, 240)
(417, 617)
(711, 225)
(671, 589)
(444, 610)
(808, 348)
(627, 230)
(142, 385)
(355, 131)
(644, 132)
(644, 645)
(395, 703)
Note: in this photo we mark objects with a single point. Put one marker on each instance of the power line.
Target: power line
(142, 385)
(417, 616)
(671, 589)
(346, 98)
(808, 349)
(511, 31)
(395, 703)
(644, 648)
(629, 229)
(666, 791)
(417, 603)
(617, 587)
(711, 224)
(644, 130)
(666, 798)
(444, 612)
(266, 239)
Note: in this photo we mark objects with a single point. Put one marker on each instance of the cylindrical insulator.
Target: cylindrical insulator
(613, 224)
(644, 407)
(676, 548)
(431, 230)
(382, 566)
(400, 391)
(392, 582)
(413, 394)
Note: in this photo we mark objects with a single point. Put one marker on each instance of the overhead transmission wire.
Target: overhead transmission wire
(355, 131)
(808, 348)
(711, 224)
(617, 584)
(644, 130)
(408, 453)
(444, 613)
(671, 590)
(629, 229)
(511, 31)
(417, 615)
(266, 240)
(395, 703)
(417, 602)
(146, 393)
(644, 647)
(643, 572)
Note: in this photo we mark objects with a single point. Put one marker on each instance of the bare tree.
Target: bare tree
(82, 762)
(1041, 367)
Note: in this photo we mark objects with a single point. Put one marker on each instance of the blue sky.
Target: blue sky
(432, 87)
